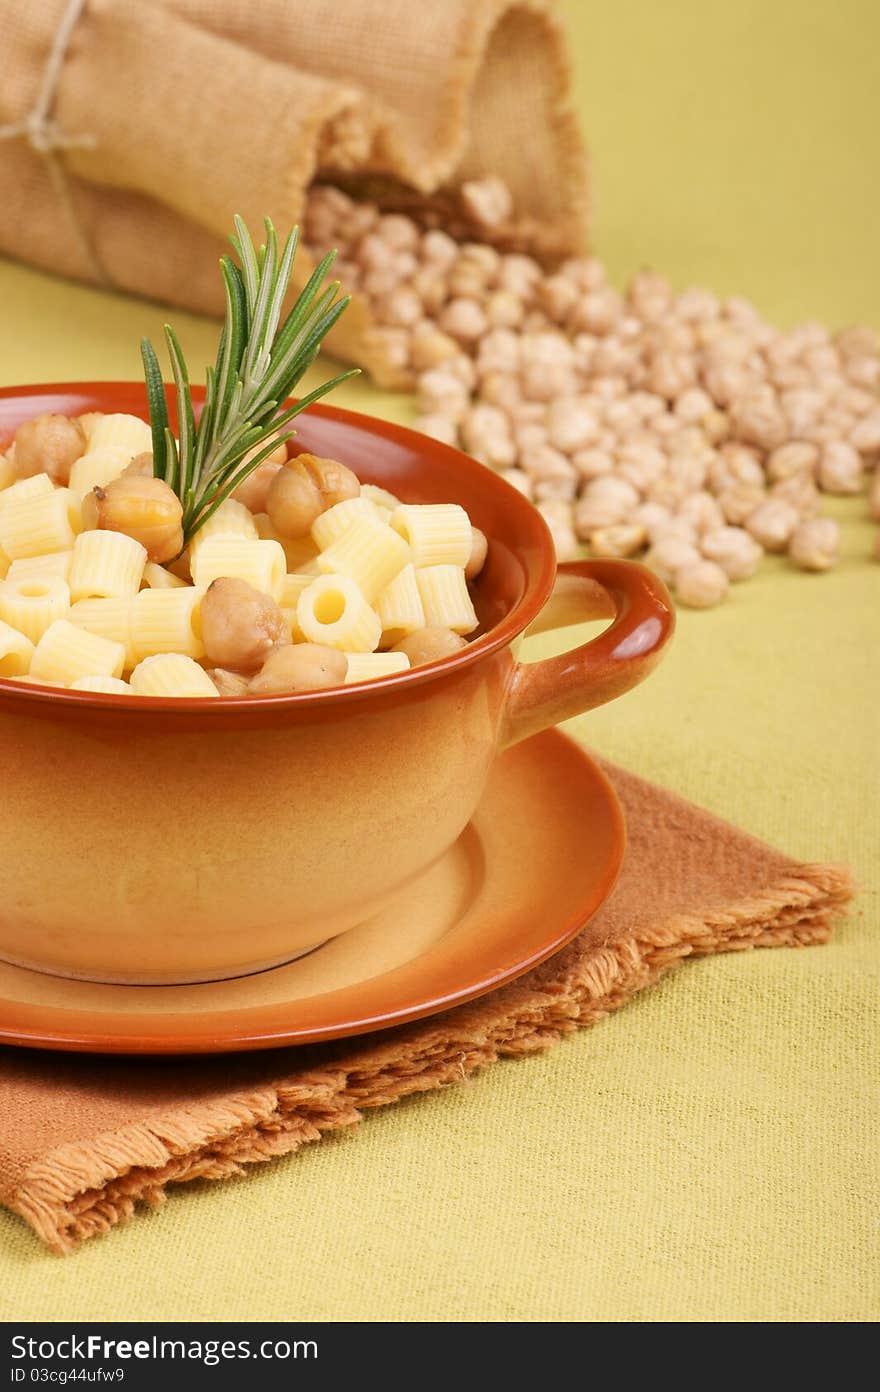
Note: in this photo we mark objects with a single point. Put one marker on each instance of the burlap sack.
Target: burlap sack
(131, 133)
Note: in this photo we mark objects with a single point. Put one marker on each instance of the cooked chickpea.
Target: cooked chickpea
(477, 558)
(334, 481)
(300, 667)
(293, 503)
(254, 490)
(48, 444)
(429, 645)
(240, 625)
(140, 467)
(144, 508)
(229, 683)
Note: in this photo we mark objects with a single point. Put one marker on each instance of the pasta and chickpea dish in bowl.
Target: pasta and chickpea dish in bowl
(252, 686)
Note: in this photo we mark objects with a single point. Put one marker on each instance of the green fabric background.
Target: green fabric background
(709, 1153)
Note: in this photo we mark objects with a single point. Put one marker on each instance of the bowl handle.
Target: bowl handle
(543, 693)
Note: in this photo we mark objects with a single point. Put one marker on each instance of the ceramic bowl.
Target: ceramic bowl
(167, 840)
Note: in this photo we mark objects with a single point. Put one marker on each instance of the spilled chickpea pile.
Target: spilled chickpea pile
(676, 427)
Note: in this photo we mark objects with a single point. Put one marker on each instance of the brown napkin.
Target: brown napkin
(133, 132)
(84, 1140)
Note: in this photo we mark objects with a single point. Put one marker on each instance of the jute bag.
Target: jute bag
(131, 133)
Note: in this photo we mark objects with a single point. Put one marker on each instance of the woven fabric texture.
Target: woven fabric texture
(708, 1153)
(187, 112)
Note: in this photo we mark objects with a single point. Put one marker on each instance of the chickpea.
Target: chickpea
(254, 490)
(87, 422)
(772, 523)
(623, 540)
(144, 508)
(477, 558)
(734, 550)
(701, 584)
(140, 467)
(240, 625)
(48, 444)
(293, 503)
(429, 645)
(813, 544)
(229, 683)
(334, 481)
(300, 667)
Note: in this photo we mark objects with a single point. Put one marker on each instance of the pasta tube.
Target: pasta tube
(367, 666)
(65, 653)
(16, 651)
(106, 684)
(56, 563)
(334, 611)
(262, 564)
(96, 469)
(400, 607)
(232, 519)
(437, 533)
(445, 598)
(119, 431)
(111, 618)
(35, 523)
(368, 553)
(171, 674)
(158, 578)
(167, 621)
(33, 602)
(335, 522)
(105, 564)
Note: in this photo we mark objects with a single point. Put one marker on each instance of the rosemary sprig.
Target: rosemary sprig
(258, 365)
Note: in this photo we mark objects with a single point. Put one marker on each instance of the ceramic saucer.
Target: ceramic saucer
(540, 856)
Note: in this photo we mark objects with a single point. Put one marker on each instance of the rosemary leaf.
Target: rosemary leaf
(256, 368)
(185, 420)
(157, 404)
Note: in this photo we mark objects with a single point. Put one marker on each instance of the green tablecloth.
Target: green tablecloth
(708, 1152)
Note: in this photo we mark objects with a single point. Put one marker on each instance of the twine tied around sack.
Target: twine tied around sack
(46, 137)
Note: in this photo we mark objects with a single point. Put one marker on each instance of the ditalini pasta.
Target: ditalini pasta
(231, 519)
(380, 498)
(158, 578)
(368, 666)
(37, 486)
(335, 522)
(55, 563)
(446, 599)
(261, 563)
(96, 469)
(369, 553)
(111, 618)
(400, 606)
(436, 533)
(105, 564)
(65, 653)
(171, 674)
(16, 651)
(365, 585)
(35, 523)
(31, 603)
(167, 621)
(128, 434)
(108, 685)
(334, 611)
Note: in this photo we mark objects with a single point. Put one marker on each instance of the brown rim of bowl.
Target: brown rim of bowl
(521, 615)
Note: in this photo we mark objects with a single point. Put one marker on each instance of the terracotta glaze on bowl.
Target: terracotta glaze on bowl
(168, 840)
